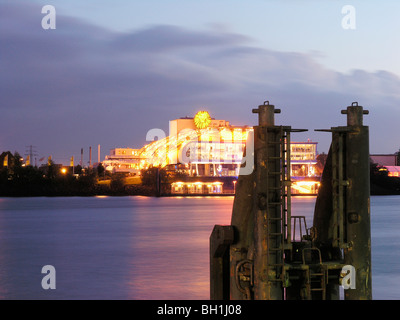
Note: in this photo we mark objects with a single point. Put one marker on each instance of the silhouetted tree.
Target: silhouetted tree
(100, 170)
(117, 183)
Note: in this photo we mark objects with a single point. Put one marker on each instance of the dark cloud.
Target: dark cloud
(81, 85)
(161, 38)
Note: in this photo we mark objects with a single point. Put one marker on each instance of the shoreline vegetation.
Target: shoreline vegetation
(17, 180)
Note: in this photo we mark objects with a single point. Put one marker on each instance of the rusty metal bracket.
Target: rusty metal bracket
(244, 272)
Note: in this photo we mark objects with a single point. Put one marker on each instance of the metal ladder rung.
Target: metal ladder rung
(317, 279)
(275, 249)
(279, 279)
(275, 265)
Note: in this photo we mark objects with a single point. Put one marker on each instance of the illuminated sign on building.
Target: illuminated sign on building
(202, 119)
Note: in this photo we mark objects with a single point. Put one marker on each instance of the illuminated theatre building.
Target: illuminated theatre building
(202, 147)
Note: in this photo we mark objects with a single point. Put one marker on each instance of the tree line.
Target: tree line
(20, 180)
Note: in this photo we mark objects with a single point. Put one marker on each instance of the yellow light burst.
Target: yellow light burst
(202, 119)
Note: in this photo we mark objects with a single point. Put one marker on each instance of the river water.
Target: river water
(143, 247)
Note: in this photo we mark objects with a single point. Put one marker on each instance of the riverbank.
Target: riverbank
(28, 182)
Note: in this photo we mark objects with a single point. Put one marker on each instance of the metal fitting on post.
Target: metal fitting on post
(266, 114)
(355, 114)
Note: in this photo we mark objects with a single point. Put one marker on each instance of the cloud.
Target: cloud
(161, 38)
(81, 85)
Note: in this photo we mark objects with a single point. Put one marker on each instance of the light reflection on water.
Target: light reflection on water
(143, 248)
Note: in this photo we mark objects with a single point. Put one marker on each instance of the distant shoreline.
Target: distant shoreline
(161, 196)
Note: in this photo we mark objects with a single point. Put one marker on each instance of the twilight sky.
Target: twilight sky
(112, 70)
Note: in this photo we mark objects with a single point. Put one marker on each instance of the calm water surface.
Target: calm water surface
(144, 248)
